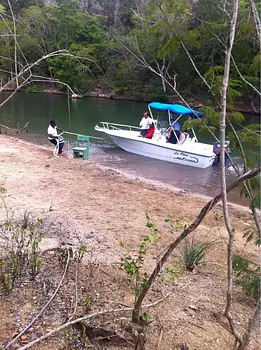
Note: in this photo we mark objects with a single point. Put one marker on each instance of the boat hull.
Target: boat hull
(164, 151)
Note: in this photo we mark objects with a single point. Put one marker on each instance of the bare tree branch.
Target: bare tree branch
(84, 318)
(14, 36)
(45, 306)
(237, 69)
(76, 286)
(40, 79)
(148, 66)
(15, 41)
(24, 127)
(27, 69)
(241, 76)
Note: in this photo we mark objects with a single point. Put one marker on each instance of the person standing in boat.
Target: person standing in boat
(53, 135)
(174, 132)
(145, 124)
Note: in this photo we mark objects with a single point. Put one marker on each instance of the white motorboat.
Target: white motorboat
(191, 152)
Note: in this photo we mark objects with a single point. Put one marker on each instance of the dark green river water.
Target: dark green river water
(84, 115)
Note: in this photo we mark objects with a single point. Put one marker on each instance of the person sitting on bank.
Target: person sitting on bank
(183, 136)
(145, 124)
(174, 132)
(53, 135)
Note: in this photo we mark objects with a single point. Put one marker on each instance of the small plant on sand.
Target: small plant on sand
(2, 190)
(174, 271)
(87, 302)
(133, 264)
(26, 219)
(76, 337)
(80, 252)
(64, 252)
(20, 253)
(252, 235)
(175, 224)
(194, 252)
(247, 275)
(248, 272)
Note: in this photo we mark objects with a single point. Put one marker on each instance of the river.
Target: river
(38, 109)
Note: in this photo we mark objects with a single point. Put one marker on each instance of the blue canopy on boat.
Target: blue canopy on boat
(176, 109)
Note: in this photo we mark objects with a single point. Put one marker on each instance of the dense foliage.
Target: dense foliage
(115, 50)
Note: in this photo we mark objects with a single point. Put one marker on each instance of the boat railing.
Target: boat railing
(114, 126)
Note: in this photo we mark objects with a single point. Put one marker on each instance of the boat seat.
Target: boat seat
(82, 147)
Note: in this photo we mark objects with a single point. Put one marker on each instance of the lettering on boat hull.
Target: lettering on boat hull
(185, 157)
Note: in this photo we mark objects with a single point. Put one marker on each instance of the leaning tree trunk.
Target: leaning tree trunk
(183, 235)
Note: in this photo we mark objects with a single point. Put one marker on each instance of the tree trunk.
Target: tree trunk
(229, 227)
(256, 19)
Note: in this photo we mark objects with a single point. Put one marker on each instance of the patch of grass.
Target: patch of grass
(2, 190)
(194, 251)
(26, 219)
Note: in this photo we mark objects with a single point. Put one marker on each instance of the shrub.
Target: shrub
(20, 253)
(133, 263)
(247, 275)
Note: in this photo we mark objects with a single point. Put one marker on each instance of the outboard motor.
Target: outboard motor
(216, 150)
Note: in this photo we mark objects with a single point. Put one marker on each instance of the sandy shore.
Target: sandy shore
(101, 207)
(102, 204)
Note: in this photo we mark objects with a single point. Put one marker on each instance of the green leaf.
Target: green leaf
(150, 224)
(2, 190)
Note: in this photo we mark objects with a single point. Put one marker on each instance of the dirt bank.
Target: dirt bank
(102, 208)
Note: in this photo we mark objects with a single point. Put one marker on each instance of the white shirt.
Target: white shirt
(145, 123)
(52, 131)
